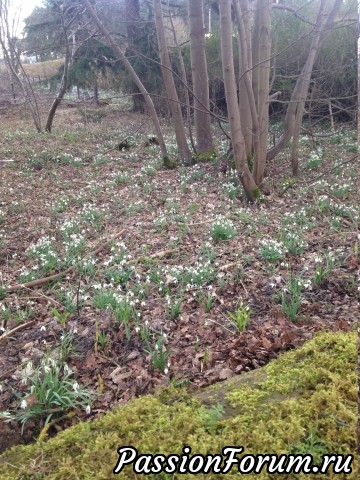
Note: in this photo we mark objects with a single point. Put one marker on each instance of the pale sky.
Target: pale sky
(25, 7)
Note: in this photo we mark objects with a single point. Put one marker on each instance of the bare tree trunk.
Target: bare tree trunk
(314, 47)
(264, 41)
(301, 88)
(96, 93)
(185, 84)
(120, 55)
(64, 80)
(237, 137)
(200, 77)
(170, 88)
(13, 62)
(247, 105)
(132, 18)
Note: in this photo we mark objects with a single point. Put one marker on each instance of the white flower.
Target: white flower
(88, 409)
(43, 329)
(67, 369)
(23, 404)
(76, 387)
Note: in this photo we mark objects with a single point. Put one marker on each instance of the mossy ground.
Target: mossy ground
(306, 404)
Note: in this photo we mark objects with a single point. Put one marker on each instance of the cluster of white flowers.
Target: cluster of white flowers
(43, 245)
(273, 246)
(70, 226)
(190, 275)
(89, 213)
(230, 189)
(223, 222)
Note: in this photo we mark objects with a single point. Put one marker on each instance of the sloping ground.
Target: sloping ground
(174, 278)
(305, 402)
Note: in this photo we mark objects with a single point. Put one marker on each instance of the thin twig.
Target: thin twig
(295, 181)
(16, 329)
(41, 281)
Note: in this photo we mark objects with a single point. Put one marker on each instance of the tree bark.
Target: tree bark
(170, 88)
(237, 137)
(200, 77)
(264, 47)
(247, 105)
(301, 88)
(64, 81)
(120, 55)
(132, 18)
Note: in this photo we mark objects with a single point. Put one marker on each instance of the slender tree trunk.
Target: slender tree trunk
(264, 42)
(170, 88)
(200, 77)
(185, 83)
(13, 62)
(64, 82)
(120, 55)
(314, 47)
(132, 18)
(301, 88)
(247, 105)
(96, 93)
(237, 137)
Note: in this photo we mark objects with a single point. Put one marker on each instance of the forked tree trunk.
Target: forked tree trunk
(300, 92)
(254, 67)
(263, 46)
(170, 88)
(200, 77)
(237, 137)
(247, 105)
(120, 55)
(64, 82)
(314, 48)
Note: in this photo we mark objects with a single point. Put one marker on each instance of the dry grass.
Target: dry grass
(41, 69)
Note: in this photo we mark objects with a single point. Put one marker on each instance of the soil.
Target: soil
(204, 346)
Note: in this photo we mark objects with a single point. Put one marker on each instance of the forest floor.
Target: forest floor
(170, 277)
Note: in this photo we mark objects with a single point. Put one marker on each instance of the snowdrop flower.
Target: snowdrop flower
(29, 369)
(43, 328)
(88, 409)
(23, 404)
(76, 387)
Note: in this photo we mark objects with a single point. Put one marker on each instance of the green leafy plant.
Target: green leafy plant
(105, 300)
(123, 313)
(159, 355)
(272, 250)
(62, 318)
(222, 230)
(101, 339)
(211, 416)
(240, 318)
(291, 298)
(174, 308)
(206, 300)
(52, 391)
(66, 346)
(293, 242)
(323, 268)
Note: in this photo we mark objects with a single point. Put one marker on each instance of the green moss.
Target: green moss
(169, 162)
(305, 403)
(205, 157)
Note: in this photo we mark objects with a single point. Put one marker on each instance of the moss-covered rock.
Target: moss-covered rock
(303, 403)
